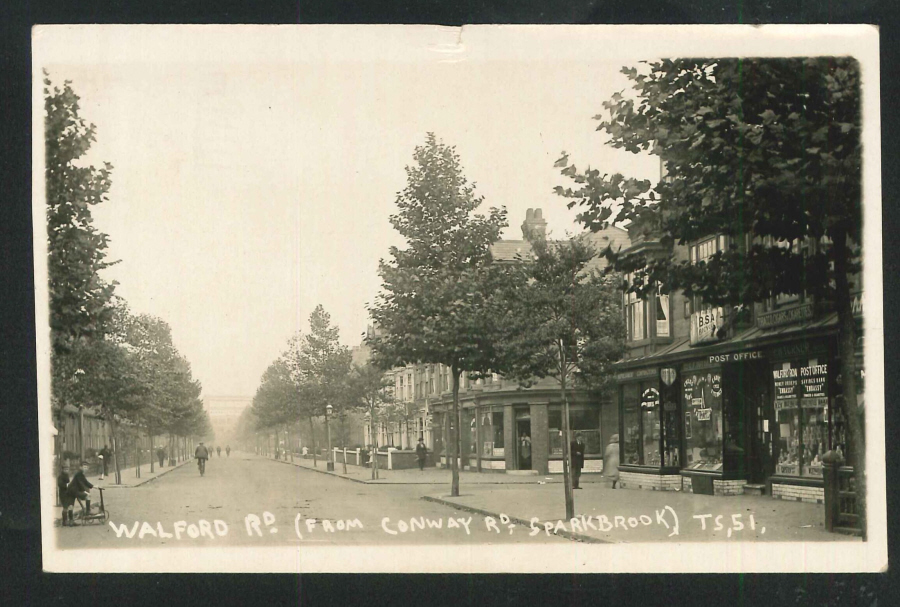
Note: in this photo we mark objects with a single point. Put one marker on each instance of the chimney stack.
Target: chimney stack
(534, 227)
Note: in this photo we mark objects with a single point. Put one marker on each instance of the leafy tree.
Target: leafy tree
(275, 405)
(765, 151)
(435, 305)
(80, 300)
(319, 365)
(563, 322)
(83, 369)
(369, 389)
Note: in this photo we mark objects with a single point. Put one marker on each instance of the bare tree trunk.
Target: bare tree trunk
(567, 455)
(847, 351)
(312, 434)
(287, 432)
(115, 447)
(152, 453)
(454, 436)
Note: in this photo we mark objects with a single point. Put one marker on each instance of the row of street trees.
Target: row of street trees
(444, 300)
(103, 357)
(764, 151)
(313, 373)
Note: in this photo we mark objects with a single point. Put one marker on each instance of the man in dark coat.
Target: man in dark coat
(80, 486)
(421, 453)
(106, 456)
(577, 448)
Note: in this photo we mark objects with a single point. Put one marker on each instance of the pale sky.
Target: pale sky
(255, 168)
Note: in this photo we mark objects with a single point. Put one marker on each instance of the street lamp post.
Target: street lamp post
(329, 465)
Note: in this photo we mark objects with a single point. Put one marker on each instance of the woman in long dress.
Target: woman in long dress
(611, 460)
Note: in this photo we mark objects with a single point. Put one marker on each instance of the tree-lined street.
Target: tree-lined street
(246, 484)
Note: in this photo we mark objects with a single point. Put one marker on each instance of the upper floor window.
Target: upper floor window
(635, 315)
(704, 249)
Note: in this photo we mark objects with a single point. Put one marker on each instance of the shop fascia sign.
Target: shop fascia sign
(705, 324)
(785, 317)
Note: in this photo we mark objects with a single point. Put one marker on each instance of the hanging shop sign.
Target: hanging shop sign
(667, 375)
(705, 324)
(650, 398)
(703, 415)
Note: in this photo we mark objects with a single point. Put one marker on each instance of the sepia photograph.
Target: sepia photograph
(490, 299)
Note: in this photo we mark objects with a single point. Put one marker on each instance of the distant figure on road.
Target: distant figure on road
(421, 453)
(577, 447)
(161, 454)
(227, 450)
(611, 460)
(219, 451)
(105, 455)
(202, 454)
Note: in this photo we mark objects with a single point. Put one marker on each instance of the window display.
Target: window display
(671, 439)
(703, 420)
(631, 422)
(801, 410)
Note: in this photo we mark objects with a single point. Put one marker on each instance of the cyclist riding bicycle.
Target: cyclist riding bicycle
(202, 454)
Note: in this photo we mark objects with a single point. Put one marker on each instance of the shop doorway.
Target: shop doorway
(748, 438)
(523, 441)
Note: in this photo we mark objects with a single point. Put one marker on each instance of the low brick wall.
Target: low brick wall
(732, 487)
(687, 486)
(405, 460)
(797, 493)
(653, 482)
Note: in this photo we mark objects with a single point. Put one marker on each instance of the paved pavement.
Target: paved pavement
(434, 476)
(635, 515)
(246, 484)
(130, 477)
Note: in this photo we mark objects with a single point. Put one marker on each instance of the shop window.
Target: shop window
(671, 436)
(586, 422)
(497, 427)
(650, 427)
(554, 429)
(631, 424)
(703, 420)
(801, 409)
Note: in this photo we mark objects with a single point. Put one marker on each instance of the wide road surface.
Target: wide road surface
(345, 512)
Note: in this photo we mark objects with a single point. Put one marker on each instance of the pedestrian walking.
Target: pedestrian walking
(161, 455)
(227, 450)
(577, 450)
(105, 455)
(421, 454)
(219, 451)
(611, 460)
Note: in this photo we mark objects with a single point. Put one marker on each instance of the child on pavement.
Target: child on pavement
(67, 501)
(80, 486)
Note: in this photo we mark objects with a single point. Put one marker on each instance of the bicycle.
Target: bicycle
(201, 464)
(86, 518)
